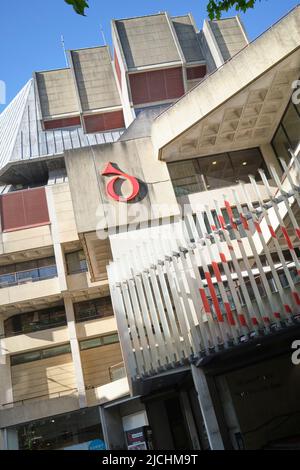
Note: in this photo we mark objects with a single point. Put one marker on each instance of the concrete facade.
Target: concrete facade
(159, 312)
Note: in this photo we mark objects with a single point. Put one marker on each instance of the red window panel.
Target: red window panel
(104, 122)
(196, 72)
(61, 123)
(118, 69)
(157, 85)
(24, 209)
(139, 88)
(174, 83)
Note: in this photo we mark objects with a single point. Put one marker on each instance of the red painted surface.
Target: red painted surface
(118, 69)
(157, 85)
(104, 122)
(24, 209)
(196, 72)
(61, 123)
(110, 170)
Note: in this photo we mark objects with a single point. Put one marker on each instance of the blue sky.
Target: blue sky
(30, 30)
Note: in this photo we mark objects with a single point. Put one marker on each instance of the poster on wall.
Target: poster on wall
(136, 439)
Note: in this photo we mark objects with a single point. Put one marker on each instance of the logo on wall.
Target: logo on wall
(114, 187)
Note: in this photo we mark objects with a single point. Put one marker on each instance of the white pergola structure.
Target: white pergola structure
(192, 292)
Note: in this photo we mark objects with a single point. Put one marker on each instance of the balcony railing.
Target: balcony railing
(48, 396)
(187, 293)
(117, 372)
(29, 276)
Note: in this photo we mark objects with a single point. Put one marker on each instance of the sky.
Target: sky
(31, 30)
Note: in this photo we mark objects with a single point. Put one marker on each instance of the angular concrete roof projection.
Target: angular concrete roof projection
(238, 106)
(230, 36)
(95, 80)
(57, 93)
(187, 37)
(22, 137)
(147, 40)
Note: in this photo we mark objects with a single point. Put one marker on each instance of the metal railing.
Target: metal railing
(47, 396)
(27, 276)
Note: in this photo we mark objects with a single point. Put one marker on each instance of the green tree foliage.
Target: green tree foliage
(78, 5)
(215, 8)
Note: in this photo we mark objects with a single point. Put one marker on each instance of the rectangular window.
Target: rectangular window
(157, 85)
(93, 309)
(76, 262)
(216, 171)
(24, 209)
(39, 355)
(29, 271)
(287, 135)
(35, 321)
(100, 341)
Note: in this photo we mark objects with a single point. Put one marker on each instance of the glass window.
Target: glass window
(35, 321)
(57, 351)
(91, 343)
(215, 171)
(287, 135)
(93, 309)
(291, 124)
(76, 262)
(100, 341)
(28, 271)
(281, 145)
(39, 355)
(70, 431)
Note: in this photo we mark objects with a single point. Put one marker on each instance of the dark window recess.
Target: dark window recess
(93, 309)
(38, 320)
(24, 209)
(62, 123)
(216, 171)
(29, 271)
(157, 85)
(76, 262)
(287, 135)
(40, 355)
(194, 73)
(104, 122)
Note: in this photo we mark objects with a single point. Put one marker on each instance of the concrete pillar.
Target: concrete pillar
(112, 427)
(75, 351)
(6, 394)
(12, 439)
(229, 411)
(58, 252)
(207, 409)
(186, 407)
(3, 440)
(270, 158)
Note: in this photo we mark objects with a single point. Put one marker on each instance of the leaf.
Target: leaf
(215, 8)
(79, 6)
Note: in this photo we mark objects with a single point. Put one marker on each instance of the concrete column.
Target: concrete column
(190, 420)
(270, 158)
(75, 351)
(3, 440)
(6, 394)
(58, 252)
(207, 409)
(12, 439)
(229, 410)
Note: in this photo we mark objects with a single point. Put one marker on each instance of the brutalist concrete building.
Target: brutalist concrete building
(149, 242)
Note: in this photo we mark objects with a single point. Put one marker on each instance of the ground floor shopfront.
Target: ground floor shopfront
(242, 399)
